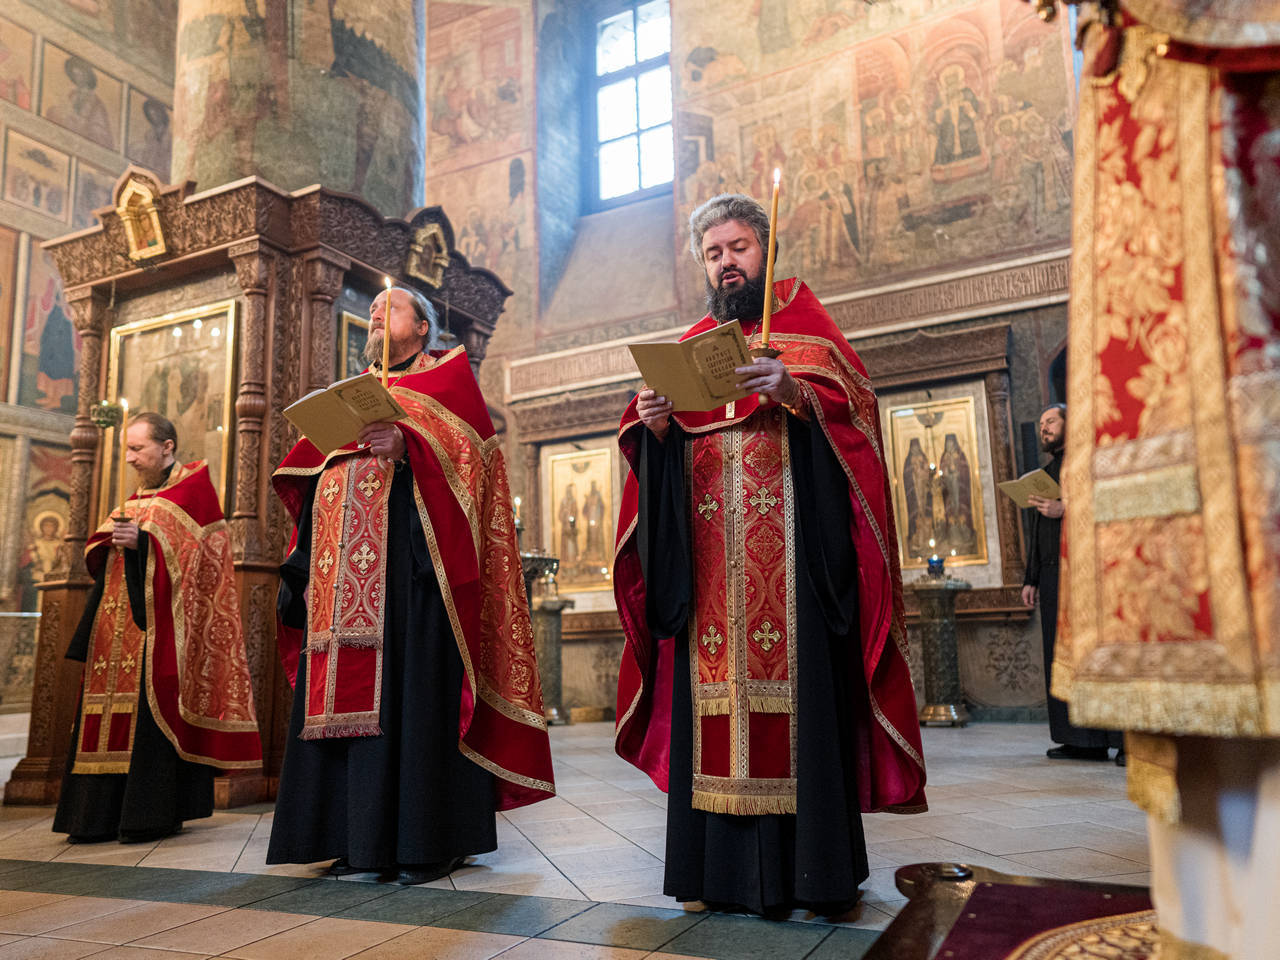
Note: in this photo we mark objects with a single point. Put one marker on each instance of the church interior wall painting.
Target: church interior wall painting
(938, 447)
(93, 192)
(354, 333)
(181, 366)
(150, 137)
(8, 298)
(580, 491)
(936, 139)
(479, 83)
(143, 32)
(48, 368)
(17, 55)
(45, 518)
(78, 96)
(36, 176)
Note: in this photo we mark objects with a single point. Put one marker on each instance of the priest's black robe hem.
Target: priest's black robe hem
(817, 858)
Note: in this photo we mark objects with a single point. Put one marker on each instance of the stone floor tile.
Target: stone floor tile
(748, 938)
(416, 905)
(327, 938)
(51, 916)
(42, 948)
(134, 923)
(514, 916)
(619, 925)
(562, 950)
(11, 901)
(1078, 863)
(425, 942)
(224, 931)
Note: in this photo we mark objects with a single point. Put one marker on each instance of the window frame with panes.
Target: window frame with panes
(598, 136)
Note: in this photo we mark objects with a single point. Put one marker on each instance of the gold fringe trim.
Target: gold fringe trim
(743, 806)
(1166, 706)
(758, 704)
(714, 707)
(1175, 948)
(1153, 493)
(103, 766)
(324, 731)
(1152, 769)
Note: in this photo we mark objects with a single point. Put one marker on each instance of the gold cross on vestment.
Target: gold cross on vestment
(330, 490)
(99, 665)
(364, 558)
(109, 605)
(128, 664)
(707, 507)
(766, 636)
(325, 562)
(763, 501)
(712, 640)
(372, 482)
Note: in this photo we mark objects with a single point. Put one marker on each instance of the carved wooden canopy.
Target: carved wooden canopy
(198, 229)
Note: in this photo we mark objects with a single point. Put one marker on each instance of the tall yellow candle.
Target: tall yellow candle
(386, 331)
(124, 450)
(768, 270)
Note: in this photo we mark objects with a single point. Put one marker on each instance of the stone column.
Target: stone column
(531, 506)
(302, 93)
(547, 634)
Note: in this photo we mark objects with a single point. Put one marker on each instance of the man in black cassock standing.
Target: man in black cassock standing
(1041, 582)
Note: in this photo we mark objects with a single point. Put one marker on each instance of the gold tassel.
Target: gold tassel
(743, 806)
(713, 707)
(770, 704)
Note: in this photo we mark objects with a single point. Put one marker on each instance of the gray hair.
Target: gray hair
(723, 208)
(422, 310)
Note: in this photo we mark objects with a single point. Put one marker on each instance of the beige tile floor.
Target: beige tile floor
(995, 800)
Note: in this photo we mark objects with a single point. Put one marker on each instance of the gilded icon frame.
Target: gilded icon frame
(205, 369)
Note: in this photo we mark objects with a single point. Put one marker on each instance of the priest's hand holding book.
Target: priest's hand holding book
(384, 440)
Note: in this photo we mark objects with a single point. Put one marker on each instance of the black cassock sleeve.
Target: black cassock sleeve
(823, 518)
(135, 566)
(662, 534)
(295, 572)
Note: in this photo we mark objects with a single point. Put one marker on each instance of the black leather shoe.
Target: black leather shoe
(1120, 759)
(1068, 752)
(149, 836)
(341, 868)
(414, 873)
(77, 838)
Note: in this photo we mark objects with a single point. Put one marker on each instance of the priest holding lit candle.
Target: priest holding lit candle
(404, 628)
(166, 699)
(764, 681)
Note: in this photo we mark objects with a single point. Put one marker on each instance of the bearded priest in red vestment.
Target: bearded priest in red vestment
(166, 698)
(764, 682)
(404, 625)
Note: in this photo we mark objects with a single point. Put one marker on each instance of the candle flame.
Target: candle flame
(777, 176)
(387, 280)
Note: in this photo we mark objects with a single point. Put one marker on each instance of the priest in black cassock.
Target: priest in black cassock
(418, 709)
(166, 697)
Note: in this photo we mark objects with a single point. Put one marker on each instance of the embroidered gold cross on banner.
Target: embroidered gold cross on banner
(330, 490)
(369, 484)
(364, 558)
(763, 501)
(128, 664)
(712, 640)
(325, 562)
(109, 606)
(708, 507)
(766, 636)
(99, 665)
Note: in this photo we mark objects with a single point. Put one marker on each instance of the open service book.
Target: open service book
(1035, 483)
(696, 374)
(333, 417)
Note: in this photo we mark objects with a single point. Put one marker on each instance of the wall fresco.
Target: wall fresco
(49, 370)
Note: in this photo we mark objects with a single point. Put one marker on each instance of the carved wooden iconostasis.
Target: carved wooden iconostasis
(219, 309)
(945, 408)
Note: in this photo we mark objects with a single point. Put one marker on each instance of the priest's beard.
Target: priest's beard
(744, 301)
(372, 352)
